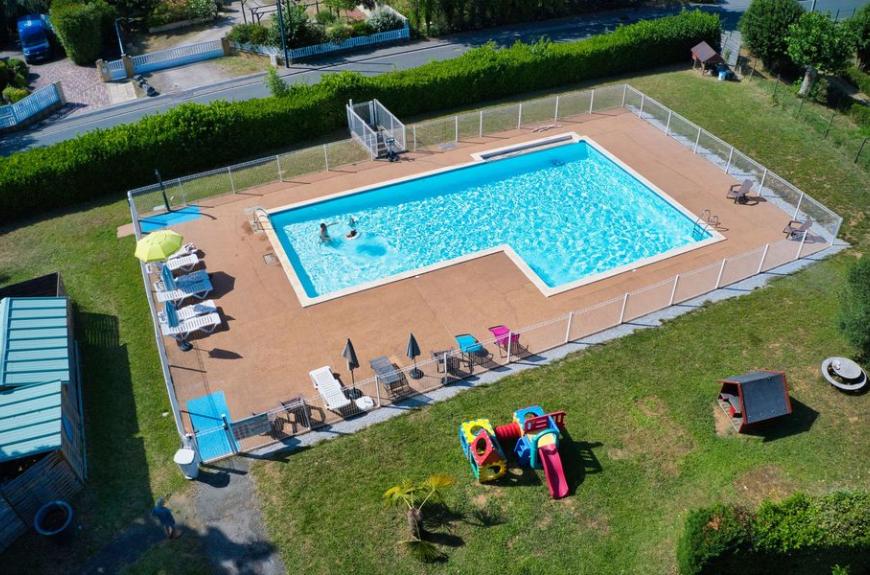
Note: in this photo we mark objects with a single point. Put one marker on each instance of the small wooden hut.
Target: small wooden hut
(705, 58)
(42, 455)
(754, 397)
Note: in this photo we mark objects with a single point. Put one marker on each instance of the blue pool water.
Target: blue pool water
(568, 212)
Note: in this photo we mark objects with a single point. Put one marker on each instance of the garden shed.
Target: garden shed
(42, 454)
(706, 56)
(754, 397)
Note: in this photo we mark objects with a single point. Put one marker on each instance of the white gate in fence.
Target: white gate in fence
(162, 59)
(20, 112)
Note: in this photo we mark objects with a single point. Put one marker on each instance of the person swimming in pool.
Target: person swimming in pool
(352, 234)
(324, 232)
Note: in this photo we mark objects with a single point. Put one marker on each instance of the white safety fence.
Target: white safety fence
(301, 414)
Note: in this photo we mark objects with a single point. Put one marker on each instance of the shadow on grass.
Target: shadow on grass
(801, 420)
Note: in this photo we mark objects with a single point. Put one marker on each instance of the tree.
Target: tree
(859, 25)
(764, 26)
(820, 45)
(854, 317)
(413, 498)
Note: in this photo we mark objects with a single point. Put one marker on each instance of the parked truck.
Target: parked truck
(33, 32)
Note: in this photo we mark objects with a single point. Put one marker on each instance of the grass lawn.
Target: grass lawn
(643, 446)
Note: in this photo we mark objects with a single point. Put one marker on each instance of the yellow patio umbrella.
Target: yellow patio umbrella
(158, 245)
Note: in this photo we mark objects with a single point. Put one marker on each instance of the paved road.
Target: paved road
(369, 63)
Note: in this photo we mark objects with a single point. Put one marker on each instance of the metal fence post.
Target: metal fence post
(325, 158)
(730, 155)
(801, 246)
(229, 431)
(510, 345)
(232, 182)
(668, 125)
(828, 128)
(446, 375)
(697, 139)
(591, 100)
(763, 255)
(624, 90)
(568, 329)
(280, 173)
(377, 392)
(456, 128)
(761, 185)
(797, 208)
(556, 114)
(721, 270)
(520, 116)
(642, 100)
(622, 311)
(674, 289)
(481, 123)
(861, 149)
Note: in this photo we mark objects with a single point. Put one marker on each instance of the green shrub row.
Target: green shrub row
(859, 79)
(194, 137)
(440, 16)
(798, 535)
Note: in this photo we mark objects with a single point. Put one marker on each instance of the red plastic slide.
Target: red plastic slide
(552, 464)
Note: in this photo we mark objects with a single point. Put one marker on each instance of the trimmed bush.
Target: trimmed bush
(854, 317)
(799, 535)
(82, 28)
(194, 137)
(859, 79)
(765, 25)
(250, 34)
(382, 20)
(12, 94)
(709, 534)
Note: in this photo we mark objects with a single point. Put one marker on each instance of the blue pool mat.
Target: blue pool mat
(165, 219)
(205, 416)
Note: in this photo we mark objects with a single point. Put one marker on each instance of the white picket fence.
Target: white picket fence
(169, 58)
(20, 112)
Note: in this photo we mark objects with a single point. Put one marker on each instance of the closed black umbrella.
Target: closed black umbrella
(349, 354)
(412, 352)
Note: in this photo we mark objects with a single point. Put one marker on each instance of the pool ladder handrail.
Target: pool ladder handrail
(256, 222)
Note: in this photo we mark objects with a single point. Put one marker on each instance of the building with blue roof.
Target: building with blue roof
(41, 427)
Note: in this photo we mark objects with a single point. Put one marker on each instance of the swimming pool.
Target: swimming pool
(566, 215)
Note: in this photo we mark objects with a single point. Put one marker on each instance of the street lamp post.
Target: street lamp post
(281, 33)
(118, 33)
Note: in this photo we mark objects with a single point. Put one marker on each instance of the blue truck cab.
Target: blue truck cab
(33, 31)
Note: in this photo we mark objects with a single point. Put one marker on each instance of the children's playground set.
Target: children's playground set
(535, 437)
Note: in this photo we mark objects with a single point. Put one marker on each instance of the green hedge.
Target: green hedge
(795, 536)
(81, 28)
(194, 137)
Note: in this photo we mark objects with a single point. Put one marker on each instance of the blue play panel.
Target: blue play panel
(161, 220)
(205, 416)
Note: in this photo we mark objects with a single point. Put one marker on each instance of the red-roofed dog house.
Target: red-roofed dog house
(754, 397)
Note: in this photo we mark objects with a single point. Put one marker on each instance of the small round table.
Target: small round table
(364, 403)
(843, 373)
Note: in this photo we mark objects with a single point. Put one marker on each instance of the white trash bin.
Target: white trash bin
(188, 460)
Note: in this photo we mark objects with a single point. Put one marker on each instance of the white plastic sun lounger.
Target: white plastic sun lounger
(183, 291)
(188, 311)
(329, 388)
(206, 323)
(182, 262)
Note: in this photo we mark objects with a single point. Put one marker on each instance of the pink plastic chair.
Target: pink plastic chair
(504, 337)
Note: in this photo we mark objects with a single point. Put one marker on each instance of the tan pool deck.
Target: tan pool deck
(269, 342)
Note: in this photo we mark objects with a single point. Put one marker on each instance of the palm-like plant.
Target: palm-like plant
(413, 497)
